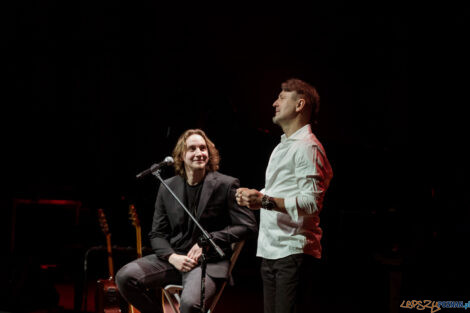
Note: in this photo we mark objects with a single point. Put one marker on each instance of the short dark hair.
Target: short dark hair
(307, 91)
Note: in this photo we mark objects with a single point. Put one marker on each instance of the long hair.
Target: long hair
(180, 150)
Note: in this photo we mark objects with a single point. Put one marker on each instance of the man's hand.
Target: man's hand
(181, 262)
(195, 252)
(250, 198)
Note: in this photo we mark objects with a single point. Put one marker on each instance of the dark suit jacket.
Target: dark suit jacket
(217, 212)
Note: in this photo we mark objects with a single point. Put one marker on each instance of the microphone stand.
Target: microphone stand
(205, 240)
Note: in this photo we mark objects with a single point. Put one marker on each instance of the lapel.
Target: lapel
(207, 188)
(178, 189)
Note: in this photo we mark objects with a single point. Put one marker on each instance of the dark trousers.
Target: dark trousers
(140, 283)
(288, 283)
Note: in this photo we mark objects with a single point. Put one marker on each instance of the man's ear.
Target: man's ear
(299, 106)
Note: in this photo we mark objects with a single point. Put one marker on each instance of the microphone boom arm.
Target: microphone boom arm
(155, 167)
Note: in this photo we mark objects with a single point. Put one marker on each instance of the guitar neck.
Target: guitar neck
(138, 233)
(110, 256)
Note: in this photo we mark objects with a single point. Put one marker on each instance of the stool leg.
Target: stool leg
(168, 297)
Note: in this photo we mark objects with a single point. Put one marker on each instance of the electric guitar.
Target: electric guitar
(107, 297)
(138, 234)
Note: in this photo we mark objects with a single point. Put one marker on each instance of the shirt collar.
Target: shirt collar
(299, 133)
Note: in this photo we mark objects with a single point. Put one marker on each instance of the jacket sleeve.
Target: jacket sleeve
(159, 235)
(242, 220)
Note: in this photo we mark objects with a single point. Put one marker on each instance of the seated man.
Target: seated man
(210, 196)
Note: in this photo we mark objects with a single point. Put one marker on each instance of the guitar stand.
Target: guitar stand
(83, 302)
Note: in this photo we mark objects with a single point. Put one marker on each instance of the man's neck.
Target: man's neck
(195, 177)
(292, 127)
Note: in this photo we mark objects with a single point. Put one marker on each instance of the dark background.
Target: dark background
(96, 93)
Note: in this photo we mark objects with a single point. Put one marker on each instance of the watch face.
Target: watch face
(263, 201)
(266, 203)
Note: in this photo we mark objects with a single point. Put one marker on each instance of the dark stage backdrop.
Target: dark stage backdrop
(98, 92)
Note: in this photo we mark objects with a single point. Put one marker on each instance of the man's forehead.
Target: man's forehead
(288, 93)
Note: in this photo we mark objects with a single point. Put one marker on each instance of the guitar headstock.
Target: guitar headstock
(103, 222)
(133, 216)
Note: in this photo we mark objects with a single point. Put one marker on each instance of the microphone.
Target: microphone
(155, 167)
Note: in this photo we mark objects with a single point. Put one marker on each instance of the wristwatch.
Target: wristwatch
(268, 203)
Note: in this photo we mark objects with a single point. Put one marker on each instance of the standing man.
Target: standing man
(210, 196)
(297, 177)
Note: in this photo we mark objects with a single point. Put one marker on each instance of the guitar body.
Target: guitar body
(107, 297)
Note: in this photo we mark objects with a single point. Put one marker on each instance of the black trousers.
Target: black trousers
(141, 280)
(288, 283)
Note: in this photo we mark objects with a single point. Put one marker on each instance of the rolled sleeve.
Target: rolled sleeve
(305, 201)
